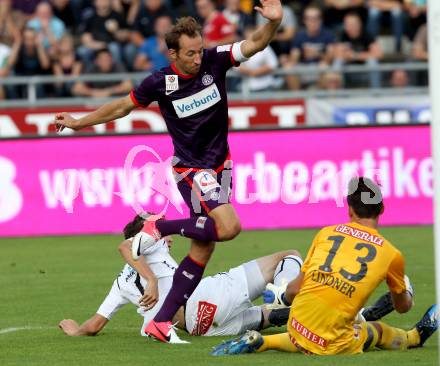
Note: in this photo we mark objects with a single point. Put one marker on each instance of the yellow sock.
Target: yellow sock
(393, 338)
(413, 338)
(278, 342)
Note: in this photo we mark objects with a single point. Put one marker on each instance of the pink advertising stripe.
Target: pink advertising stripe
(289, 161)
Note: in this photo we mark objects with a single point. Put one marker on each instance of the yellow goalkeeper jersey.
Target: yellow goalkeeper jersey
(343, 267)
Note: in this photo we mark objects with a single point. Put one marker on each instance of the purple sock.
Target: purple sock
(185, 280)
(200, 228)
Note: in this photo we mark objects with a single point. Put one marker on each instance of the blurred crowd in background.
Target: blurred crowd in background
(73, 37)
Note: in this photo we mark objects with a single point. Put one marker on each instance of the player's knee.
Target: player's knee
(403, 307)
(229, 232)
(278, 256)
(294, 252)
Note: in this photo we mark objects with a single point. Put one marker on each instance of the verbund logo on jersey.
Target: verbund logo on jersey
(197, 102)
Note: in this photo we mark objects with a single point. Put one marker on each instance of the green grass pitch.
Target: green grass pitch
(43, 280)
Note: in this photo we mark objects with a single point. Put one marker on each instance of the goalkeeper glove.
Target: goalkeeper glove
(409, 287)
(274, 296)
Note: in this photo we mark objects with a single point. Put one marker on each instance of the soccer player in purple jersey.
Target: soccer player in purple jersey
(191, 94)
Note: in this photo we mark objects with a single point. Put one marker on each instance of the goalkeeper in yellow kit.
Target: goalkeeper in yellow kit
(343, 267)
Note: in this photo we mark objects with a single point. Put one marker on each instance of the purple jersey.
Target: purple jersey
(195, 108)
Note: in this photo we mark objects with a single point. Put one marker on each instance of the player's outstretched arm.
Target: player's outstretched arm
(293, 287)
(90, 327)
(108, 112)
(402, 292)
(151, 292)
(403, 302)
(273, 12)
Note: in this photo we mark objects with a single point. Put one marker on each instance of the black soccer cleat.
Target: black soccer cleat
(428, 324)
(383, 306)
(279, 317)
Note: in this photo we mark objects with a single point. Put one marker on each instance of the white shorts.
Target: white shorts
(118, 297)
(164, 286)
(123, 293)
(221, 305)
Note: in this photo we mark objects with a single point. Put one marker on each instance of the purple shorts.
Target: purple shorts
(204, 189)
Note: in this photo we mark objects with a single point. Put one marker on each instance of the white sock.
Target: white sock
(287, 270)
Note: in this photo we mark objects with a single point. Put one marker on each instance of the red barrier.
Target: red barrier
(38, 121)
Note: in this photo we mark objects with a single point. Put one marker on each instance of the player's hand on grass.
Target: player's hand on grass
(274, 296)
(151, 295)
(68, 326)
(271, 10)
(63, 120)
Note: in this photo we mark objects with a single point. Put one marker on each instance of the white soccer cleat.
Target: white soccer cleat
(359, 317)
(164, 332)
(141, 242)
(174, 338)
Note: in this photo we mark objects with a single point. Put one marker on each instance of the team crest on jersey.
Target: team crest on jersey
(171, 84)
(207, 79)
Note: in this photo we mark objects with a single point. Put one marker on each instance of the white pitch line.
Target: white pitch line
(28, 327)
(17, 329)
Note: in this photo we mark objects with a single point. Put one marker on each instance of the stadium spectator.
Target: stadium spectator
(286, 32)
(357, 47)
(9, 24)
(259, 69)
(63, 10)
(153, 54)
(416, 10)
(28, 58)
(419, 53)
(376, 9)
(5, 51)
(313, 46)
(247, 6)
(420, 45)
(66, 63)
(182, 8)
(104, 28)
(48, 26)
(128, 9)
(236, 16)
(25, 8)
(336, 10)
(103, 64)
(143, 26)
(399, 79)
(301, 5)
(217, 30)
(81, 9)
(331, 80)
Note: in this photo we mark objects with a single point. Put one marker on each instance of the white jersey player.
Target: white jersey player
(220, 305)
